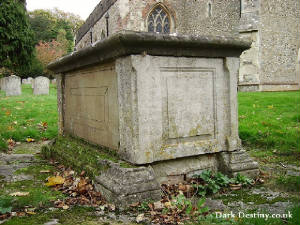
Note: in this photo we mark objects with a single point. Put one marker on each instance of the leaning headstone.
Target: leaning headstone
(13, 86)
(41, 86)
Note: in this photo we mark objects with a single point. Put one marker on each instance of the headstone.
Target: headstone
(13, 86)
(2, 83)
(27, 81)
(41, 86)
(32, 83)
(53, 81)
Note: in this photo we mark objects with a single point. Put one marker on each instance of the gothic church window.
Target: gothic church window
(159, 21)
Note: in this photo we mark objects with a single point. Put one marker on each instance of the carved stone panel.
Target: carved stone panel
(190, 102)
(91, 108)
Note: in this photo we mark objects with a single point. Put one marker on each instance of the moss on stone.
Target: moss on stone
(80, 155)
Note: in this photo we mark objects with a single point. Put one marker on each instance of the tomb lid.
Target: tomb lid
(132, 43)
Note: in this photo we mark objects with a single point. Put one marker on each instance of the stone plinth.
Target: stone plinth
(41, 86)
(166, 101)
(13, 86)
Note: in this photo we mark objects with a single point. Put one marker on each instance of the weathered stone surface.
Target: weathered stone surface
(3, 83)
(27, 80)
(124, 186)
(131, 43)
(32, 83)
(13, 86)
(169, 106)
(91, 105)
(167, 101)
(232, 163)
(221, 17)
(270, 64)
(41, 86)
(175, 171)
(9, 164)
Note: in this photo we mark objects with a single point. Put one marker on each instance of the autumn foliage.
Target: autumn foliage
(49, 51)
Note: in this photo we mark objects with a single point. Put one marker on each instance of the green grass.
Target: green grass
(288, 183)
(20, 116)
(77, 215)
(40, 196)
(269, 122)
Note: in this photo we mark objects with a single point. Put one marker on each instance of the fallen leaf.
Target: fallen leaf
(30, 140)
(19, 194)
(45, 171)
(7, 113)
(52, 181)
(65, 207)
(140, 218)
(135, 204)
(158, 205)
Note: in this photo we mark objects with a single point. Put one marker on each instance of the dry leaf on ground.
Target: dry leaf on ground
(52, 181)
(19, 194)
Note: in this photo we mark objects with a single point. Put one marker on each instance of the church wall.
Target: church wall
(279, 43)
(188, 17)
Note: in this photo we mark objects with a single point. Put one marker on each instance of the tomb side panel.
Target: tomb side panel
(182, 106)
(91, 105)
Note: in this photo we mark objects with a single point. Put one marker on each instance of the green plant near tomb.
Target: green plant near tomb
(211, 183)
(5, 204)
(241, 179)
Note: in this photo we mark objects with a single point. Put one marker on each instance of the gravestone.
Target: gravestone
(13, 86)
(53, 81)
(169, 102)
(41, 86)
(3, 83)
(27, 80)
(32, 83)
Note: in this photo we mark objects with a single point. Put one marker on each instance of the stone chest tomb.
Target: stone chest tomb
(168, 102)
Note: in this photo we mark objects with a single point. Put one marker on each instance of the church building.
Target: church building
(272, 25)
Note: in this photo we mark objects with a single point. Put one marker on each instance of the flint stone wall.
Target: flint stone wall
(41, 86)
(272, 25)
(13, 86)
(188, 17)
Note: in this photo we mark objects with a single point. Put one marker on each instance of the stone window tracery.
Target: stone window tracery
(159, 21)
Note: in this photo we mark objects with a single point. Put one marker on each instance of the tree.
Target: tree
(50, 51)
(48, 23)
(16, 37)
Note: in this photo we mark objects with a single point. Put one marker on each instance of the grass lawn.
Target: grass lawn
(269, 124)
(28, 116)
